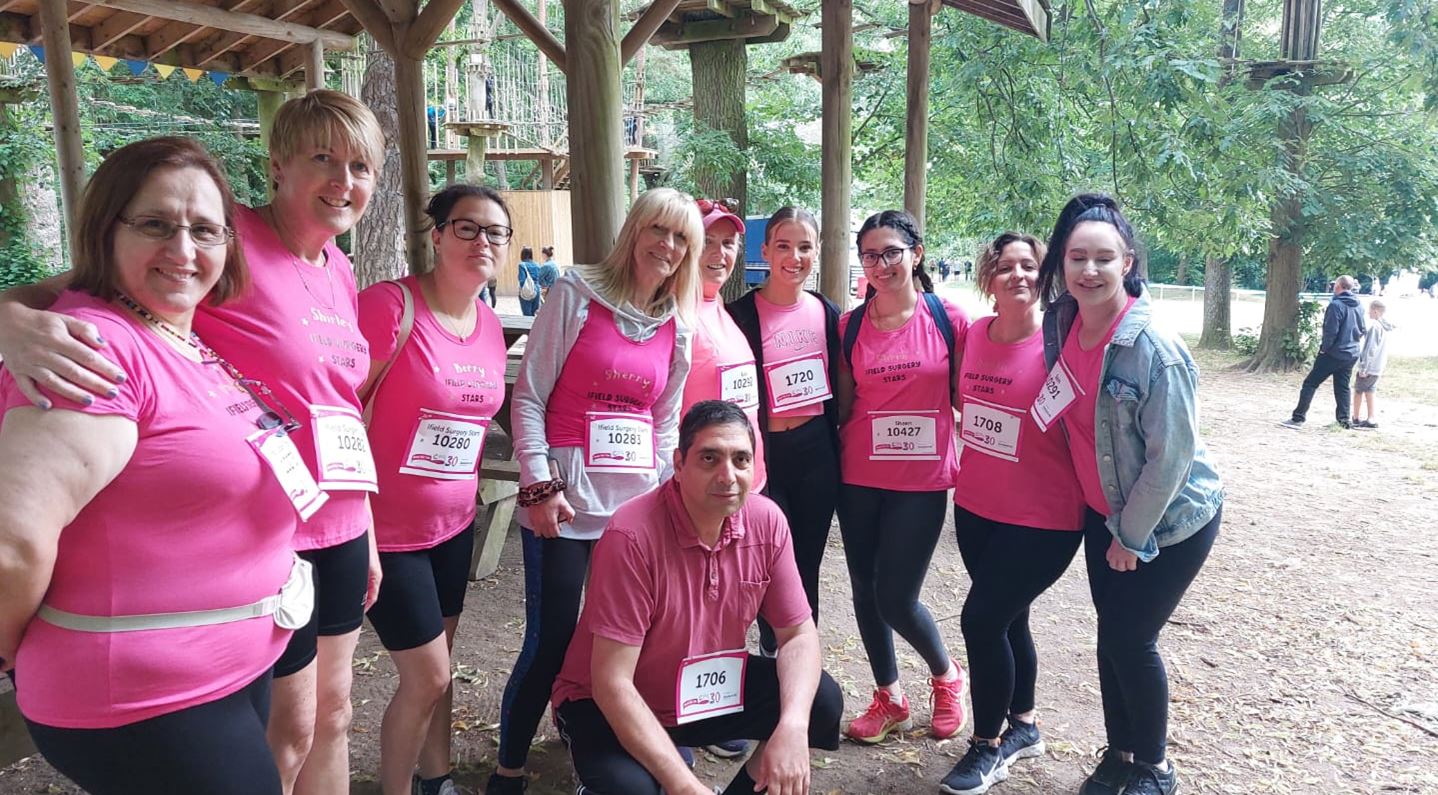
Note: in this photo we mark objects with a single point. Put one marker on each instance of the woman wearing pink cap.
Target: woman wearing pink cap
(596, 421)
(147, 581)
(1013, 549)
(297, 329)
(897, 392)
(435, 383)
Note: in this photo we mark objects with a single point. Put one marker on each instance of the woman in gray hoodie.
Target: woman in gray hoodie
(596, 415)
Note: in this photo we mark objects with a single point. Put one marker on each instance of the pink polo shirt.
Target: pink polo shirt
(900, 432)
(430, 416)
(297, 330)
(1087, 368)
(722, 368)
(1010, 471)
(652, 584)
(792, 333)
(195, 521)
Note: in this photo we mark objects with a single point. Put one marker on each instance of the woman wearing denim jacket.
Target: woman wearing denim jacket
(1125, 393)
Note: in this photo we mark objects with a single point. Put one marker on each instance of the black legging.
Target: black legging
(889, 539)
(804, 480)
(554, 572)
(218, 747)
(1132, 608)
(1009, 565)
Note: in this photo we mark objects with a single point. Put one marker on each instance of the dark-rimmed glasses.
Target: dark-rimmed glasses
(273, 413)
(497, 234)
(203, 235)
(889, 256)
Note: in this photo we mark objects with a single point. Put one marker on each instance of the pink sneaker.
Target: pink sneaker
(947, 701)
(882, 717)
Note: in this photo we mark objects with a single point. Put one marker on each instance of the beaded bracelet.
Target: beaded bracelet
(535, 493)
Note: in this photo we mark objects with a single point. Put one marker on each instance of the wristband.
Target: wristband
(535, 493)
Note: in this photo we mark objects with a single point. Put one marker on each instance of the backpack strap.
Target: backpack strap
(946, 329)
(851, 333)
(406, 325)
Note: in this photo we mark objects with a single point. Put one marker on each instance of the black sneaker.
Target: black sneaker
(1020, 741)
(505, 785)
(1109, 777)
(1294, 424)
(1149, 780)
(982, 767)
(729, 749)
(1368, 424)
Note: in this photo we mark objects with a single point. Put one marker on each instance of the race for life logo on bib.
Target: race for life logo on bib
(904, 435)
(797, 382)
(710, 685)
(342, 449)
(991, 429)
(619, 442)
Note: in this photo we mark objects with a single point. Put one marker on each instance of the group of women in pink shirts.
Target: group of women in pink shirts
(217, 454)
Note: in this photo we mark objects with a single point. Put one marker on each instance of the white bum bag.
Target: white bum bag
(291, 608)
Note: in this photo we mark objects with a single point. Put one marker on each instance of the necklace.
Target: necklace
(268, 214)
(193, 341)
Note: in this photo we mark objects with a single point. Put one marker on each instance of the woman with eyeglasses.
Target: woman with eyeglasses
(596, 420)
(297, 330)
(436, 381)
(147, 581)
(897, 391)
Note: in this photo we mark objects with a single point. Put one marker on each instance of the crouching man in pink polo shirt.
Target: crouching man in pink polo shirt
(659, 657)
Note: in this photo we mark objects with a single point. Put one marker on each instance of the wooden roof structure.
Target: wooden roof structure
(1025, 16)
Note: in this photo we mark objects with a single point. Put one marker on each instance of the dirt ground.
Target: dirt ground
(1302, 660)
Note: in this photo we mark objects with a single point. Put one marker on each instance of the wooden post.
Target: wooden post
(414, 158)
(633, 181)
(65, 107)
(546, 174)
(476, 143)
(916, 129)
(596, 157)
(314, 65)
(836, 71)
(449, 176)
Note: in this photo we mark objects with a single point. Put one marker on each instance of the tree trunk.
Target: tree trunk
(1180, 273)
(379, 236)
(596, 150)
(1217, 304)
(720, 67)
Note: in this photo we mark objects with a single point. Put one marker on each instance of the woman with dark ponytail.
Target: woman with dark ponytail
(1126, 395)
(896, 393)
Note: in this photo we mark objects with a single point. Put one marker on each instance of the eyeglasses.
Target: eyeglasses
(497, 234)
(203, 235)
(273, 413)
(706, 205)
(889, 256)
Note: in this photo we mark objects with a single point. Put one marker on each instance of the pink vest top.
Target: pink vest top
(606, 371)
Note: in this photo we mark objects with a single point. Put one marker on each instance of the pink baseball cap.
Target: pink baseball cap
(720, 210)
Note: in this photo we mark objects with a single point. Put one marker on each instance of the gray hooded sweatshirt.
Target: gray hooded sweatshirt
(551, 340)
(1374, 355)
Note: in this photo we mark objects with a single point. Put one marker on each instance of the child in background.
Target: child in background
(1371, 360)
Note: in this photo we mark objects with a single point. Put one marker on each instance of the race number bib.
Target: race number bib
(797, 382)
(904, 436)
(445, 446)
(739, 384)
(710, 685)
(1057, 396)
(618, 442)
(991, 428)
(342, 448)
(278, 451)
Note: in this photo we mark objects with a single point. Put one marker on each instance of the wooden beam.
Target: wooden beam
(314, 66)
(596, 158)
(916, 124)
(431, 22)
(536, 32)
(414, 168)
(720, 7)
(14, 27)
(286, 63)
(119, 24)
(173, 34)
(228, 41)
(238, 22)
(836, 69)
(65, 106)
(644, 27)
(375, 22)
(740, 27)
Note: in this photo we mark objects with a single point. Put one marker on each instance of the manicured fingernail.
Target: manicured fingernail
(99, 340)
(89, 400)
(120, 378)
(112, 393)
(46, 405)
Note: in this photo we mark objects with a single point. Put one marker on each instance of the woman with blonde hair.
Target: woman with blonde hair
(596, 421)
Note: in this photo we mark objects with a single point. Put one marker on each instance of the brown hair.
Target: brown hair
(790, 214)
(114, 186)
(989, 258)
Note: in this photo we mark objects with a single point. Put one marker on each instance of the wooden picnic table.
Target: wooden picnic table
(499, 476)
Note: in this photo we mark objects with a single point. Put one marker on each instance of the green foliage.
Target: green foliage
(1300, 344)
(704, 153)
(22, 150)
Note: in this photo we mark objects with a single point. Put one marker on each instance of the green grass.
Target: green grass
(1414, 379)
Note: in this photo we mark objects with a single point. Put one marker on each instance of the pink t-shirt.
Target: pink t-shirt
(297, 330)
(722, 368)
(195, 521)
(1086, 367)
(900, 433)
(430, 415)
(1009, 470)
(791, 334)
(654, 585)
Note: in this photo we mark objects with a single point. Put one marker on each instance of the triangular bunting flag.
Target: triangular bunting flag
(137, 68)
(219, 78)
(78, 59)
(8, 49)
(194, 74)
(105, 62)
(165, 70)
(38, 51)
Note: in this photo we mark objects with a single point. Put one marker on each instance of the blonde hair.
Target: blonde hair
(329, 119)
(988, 261)
(613, 277)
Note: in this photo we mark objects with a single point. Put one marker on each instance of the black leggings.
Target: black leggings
(804, 482)
(554, 572)
(1009, 565)
(889, 539)
(1132, 608)
(216, 748)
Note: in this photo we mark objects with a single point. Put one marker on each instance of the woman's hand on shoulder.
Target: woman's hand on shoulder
(58, 352)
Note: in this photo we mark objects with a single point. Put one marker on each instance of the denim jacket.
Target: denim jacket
(1155, 472)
